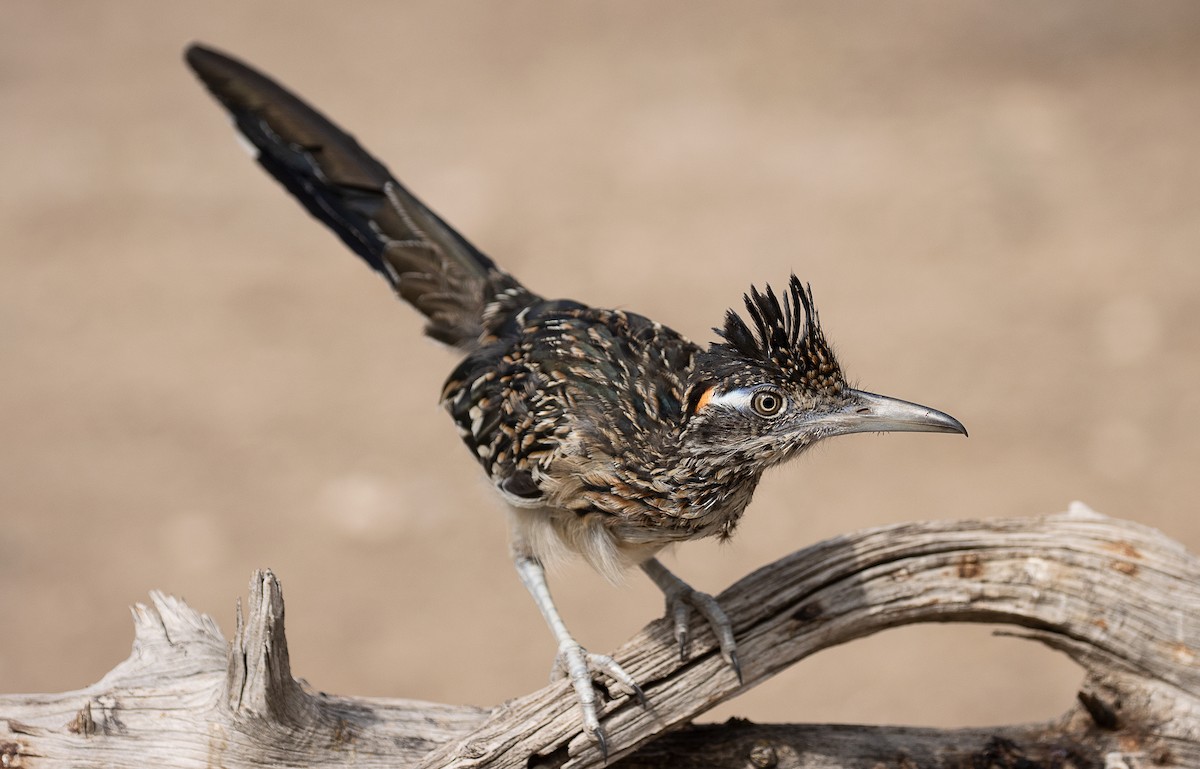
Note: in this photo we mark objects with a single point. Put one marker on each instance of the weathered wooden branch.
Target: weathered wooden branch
(1120, 599)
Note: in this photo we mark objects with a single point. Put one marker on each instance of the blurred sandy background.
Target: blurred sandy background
(997, 206)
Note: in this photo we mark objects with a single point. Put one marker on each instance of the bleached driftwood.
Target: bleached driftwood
(1120, 599)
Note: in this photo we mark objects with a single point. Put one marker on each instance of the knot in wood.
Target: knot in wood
(10, 754)
(763, 756)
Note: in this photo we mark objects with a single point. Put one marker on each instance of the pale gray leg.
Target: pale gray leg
(573, 661)
(681, 598)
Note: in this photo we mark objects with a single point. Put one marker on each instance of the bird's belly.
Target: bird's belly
(552, 534)
(612, 541)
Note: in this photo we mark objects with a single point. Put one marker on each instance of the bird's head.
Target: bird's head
(773, 387)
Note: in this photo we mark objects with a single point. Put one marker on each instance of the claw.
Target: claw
(601, 742)
(640, 696)
(732, 659)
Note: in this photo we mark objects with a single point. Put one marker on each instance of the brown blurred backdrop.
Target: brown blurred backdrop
(996, 205)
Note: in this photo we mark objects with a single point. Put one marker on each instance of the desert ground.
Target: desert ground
(996, 205)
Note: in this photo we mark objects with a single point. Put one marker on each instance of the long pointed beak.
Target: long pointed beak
(870, 413)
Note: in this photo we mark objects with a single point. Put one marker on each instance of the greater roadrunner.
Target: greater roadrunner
(607, 434)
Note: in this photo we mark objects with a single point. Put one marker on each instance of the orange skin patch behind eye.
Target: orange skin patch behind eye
(705, 397)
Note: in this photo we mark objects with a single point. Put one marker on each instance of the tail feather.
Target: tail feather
(425, 260)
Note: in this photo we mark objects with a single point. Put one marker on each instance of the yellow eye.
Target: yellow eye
(767, 402)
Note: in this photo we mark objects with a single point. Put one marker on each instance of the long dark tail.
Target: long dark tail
(459, 289)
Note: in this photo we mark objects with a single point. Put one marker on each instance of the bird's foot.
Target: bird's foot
(681, 599)
(577, 664)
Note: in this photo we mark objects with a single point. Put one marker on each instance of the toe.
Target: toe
(609, 666)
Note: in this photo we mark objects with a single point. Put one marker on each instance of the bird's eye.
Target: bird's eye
(767, 403)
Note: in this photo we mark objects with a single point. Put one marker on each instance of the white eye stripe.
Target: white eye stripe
(762, 401)
(735, 399)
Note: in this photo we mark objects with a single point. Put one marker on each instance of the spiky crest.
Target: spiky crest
(786, 336)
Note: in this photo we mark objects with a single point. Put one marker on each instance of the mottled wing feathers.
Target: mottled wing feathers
(568, 376)
(426, 261)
